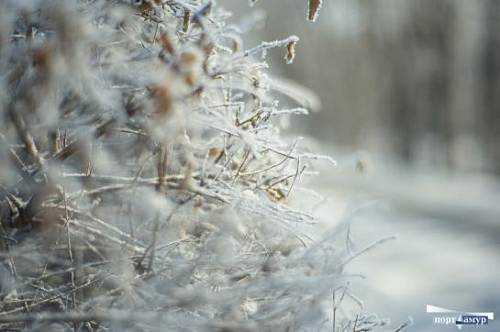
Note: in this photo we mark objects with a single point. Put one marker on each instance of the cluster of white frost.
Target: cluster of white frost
(143, 179)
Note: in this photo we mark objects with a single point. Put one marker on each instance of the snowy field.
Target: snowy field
(447, 249)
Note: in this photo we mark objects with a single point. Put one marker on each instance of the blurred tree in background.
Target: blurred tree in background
(418, 80)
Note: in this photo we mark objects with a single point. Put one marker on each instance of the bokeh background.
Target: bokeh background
(410, 94)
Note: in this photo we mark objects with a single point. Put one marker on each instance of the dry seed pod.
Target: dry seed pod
(166, 43)
(42, 57)
(314, 8)
(215, 152)
(290, 54)
(188, 61)
(189, 58)
(190, 78)
(163, 100)
(236, 42)
(142, 6)
(276, 194)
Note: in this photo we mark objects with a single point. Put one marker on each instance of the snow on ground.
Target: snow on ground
(447, 251)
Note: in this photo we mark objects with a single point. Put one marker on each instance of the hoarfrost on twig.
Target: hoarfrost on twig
(143, 179)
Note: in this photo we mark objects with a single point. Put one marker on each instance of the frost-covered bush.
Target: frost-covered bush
(143, 179)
